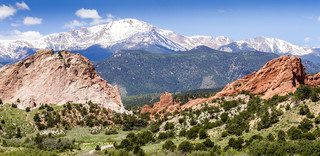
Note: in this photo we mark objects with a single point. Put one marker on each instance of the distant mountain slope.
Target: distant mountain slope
(122, 34)
(140, 72)
(99, 42)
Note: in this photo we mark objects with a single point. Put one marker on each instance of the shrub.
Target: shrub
(303, 92)
(182, 133)
(236, 143)
(200, 147)
(224, 117)
(305, 125)
(98, 148)
(310, 115)
(111, 132)
(28, 109)
(304, 110)
(192, 133)
(314, 96)
(281, 136)
(270, 137)
(36, 118)
(13, 105)
(202, 134)
(1, 101)
(227, 105)
(294, 133)
(168, 145)
(224, 134)
(181, 120)
(208, 143)
(168, 125)
(163, 136)
(185, 146)
(155, 127)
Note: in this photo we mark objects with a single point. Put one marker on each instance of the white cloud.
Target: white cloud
(307, 39)
(22, 6)
(6, 11)
(318, 18)
(92, 14)
(75, 23)
(32, 20)
(102, 21)
(16, 34)
(87, 13)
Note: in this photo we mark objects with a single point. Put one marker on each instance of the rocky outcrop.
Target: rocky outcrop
(166, 103)
(48, 78)
(279, 76)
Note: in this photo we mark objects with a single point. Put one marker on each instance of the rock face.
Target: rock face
(166, 102)
(48, 78)
(279, 76)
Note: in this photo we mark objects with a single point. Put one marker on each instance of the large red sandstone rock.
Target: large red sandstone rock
(47, 78)
(166, 103)
(279, 76)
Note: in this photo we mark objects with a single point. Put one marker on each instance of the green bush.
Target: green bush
(305, 125)
(304, 110)
(169, 145)
(303, 92)
(155, 127)
(111, 132)
(208, 143)
(185, 146)
(28, 109)
(199, 147)
(202, 134)
(281, 136)
(168, 125)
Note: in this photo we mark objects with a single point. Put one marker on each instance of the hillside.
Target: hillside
(141, 72)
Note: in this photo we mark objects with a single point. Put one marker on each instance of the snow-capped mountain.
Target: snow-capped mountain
(116, 35)
(134, 34)
(264, 44)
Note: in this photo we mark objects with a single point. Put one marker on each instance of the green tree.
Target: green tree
(200, 147)
(36, 118)
(270, 137)
(202, 134)
(155, 127)
(28, 109)
(208, 143)
(168, 145)
(98, 148)
(294, 133)
(224, 116)
(18, 135)
(314, 96)
(303, 92)
(168, 125)
(305, 125)
(1, 101)
(281, 136)
(185, 146)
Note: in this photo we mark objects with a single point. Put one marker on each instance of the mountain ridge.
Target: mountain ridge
(133, 34)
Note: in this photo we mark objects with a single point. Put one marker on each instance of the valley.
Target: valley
(159, 78)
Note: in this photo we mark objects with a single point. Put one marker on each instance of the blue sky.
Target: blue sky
(295, 21)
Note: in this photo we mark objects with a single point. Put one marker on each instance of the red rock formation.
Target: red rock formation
(279, 76)
(166, 103)
(48, 78)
